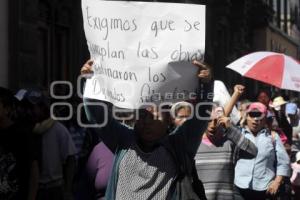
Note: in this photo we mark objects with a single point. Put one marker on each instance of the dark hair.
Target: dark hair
(6, 97)
(267, 92)
(37, 97)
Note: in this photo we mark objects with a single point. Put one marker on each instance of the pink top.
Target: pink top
(206, 141)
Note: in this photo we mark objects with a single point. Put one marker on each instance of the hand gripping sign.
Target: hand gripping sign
(142, 51)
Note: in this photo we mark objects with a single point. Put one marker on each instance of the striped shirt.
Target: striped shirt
(215, 164)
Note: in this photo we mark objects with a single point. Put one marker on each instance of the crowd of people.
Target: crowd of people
(156, 155)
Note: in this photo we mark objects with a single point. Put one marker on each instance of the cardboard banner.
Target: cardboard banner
(143, 51)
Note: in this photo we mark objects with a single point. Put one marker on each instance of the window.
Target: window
(285, 14)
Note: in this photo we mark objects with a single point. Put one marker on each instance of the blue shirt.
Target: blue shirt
(257, 173)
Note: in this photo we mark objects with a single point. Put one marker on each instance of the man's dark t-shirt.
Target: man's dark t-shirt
(18, 148)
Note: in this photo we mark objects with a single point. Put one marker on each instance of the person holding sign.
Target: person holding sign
(149, 163)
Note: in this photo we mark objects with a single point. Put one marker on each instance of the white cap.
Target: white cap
(20, 94)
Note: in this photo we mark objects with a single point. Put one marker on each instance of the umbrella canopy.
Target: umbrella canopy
(272, 68)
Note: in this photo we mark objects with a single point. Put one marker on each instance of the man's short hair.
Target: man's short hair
(6, 97)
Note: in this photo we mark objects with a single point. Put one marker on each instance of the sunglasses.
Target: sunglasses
(255, 114)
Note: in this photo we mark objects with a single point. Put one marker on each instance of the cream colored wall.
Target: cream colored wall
(279, 43)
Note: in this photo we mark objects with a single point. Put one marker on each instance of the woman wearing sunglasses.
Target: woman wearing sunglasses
(260, 177)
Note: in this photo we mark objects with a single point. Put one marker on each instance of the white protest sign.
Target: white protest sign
(142, 51)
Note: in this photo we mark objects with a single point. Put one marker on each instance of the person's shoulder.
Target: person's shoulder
(244, 130)
(58, 126)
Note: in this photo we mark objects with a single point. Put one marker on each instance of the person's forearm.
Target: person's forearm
(229, 106)
(194, 128)
(97, 112)
(279, 179)
(99, 115)
(293, 177)
(242, 143)
(33, 181)
(204, 96)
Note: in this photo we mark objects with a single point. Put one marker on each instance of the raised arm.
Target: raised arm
(238, 91)
(233, 133)
(241, 142)
(188, 135)
(98, 113)
(296, 173)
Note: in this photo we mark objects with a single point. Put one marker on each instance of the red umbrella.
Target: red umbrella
(276, 69)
